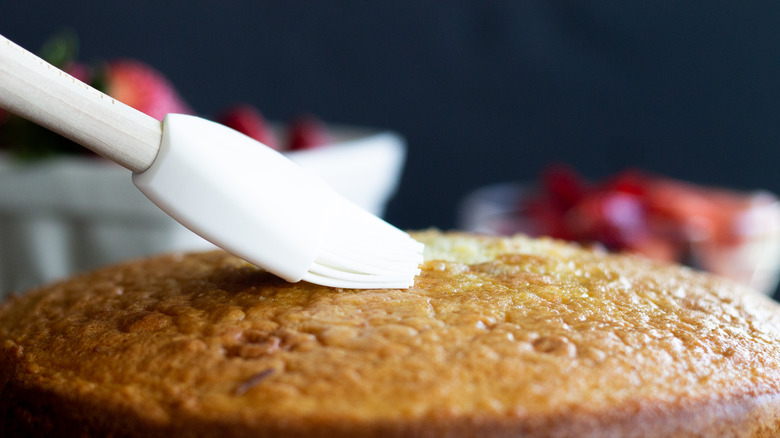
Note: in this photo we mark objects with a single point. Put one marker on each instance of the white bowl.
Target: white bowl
(69, 214)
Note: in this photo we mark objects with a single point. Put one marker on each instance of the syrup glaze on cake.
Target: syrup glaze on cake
(498, 337)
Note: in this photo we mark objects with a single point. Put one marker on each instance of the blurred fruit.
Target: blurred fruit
(140, 86)
(613, 218)
(307, 132)
(144, 88)
(636, 211)
(248, 120)
(79, 70)
(564, 186)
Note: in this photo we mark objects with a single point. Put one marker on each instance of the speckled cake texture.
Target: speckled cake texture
(498, 337)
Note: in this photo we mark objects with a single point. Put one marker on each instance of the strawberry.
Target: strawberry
(632, 181)
(656, 216)
(613, 218)
(564, 185)
(684, 206)
(546, 218)
(248, 120)
(79, 70)
(143, 88)
(658, 248)
(307, 132)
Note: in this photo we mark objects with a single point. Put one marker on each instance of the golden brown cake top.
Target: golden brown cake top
(498, 335)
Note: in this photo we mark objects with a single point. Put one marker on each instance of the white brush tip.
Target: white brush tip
(360, 251)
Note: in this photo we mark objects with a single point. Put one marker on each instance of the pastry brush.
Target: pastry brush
(226, 187)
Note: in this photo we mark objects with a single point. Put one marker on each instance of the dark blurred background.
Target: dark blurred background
(483, 91)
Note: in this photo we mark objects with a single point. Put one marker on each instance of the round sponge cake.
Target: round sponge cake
(498, 337)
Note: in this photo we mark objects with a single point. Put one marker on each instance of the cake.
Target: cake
(499, 336)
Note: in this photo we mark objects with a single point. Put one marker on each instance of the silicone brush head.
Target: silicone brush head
(255, 203)
(359, 250)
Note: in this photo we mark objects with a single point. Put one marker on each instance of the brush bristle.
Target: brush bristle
(359, 250)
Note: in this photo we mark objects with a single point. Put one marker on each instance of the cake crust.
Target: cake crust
(498, 337)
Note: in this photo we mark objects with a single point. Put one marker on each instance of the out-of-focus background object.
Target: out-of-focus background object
(483, 92)
(730, 233)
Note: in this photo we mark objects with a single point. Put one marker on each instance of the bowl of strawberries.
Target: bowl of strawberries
(731, 233)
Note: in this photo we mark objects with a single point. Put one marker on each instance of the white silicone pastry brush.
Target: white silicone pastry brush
(233, 191)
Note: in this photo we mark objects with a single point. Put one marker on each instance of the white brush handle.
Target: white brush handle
(41, 93)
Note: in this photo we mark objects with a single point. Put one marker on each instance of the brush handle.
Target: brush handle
(41, 93)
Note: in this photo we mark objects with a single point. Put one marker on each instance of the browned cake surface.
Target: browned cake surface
(507, 337)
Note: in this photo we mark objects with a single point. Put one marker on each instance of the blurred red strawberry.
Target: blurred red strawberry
(308, 132)
(143, 88)
(688, 207)
(547, 219)
(615, 219)
(248, 120)
(564, 185)
(632, 181)
(79, 70)
(659, 248)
